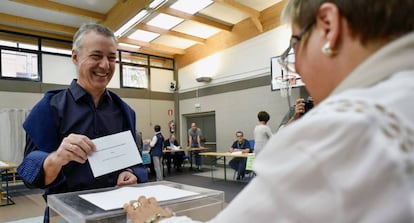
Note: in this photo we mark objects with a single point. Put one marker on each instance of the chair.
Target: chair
(186, 159)
(249, 174)
(251, 142)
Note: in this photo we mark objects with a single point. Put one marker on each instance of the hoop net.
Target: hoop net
(285, 83)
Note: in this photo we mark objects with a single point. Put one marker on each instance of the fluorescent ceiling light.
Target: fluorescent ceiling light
(143, 35)
(191, 6)
(127, 26)
(156, 3)
(129, 45)
(165, 21)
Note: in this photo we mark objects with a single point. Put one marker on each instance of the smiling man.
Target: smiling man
(60, 127)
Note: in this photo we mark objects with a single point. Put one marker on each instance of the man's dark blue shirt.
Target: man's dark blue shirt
(72, 110)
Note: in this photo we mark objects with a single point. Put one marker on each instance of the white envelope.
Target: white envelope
(114, 152)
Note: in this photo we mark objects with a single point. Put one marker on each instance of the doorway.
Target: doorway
(207, 123)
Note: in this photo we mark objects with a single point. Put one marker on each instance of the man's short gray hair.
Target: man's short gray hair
(85, 28)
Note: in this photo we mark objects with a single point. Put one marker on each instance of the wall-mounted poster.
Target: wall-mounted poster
(134, 77)
(281, 78)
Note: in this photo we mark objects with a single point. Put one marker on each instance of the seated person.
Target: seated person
(177, 157)
(239, 163)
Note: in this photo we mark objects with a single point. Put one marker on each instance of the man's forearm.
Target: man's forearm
(51, 169)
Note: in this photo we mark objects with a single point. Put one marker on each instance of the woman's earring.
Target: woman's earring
(327, 50)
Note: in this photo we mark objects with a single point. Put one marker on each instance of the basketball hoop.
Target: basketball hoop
(285, 83)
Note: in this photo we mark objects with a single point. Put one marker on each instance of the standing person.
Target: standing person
(139, 142)
(156, 145)
(60, 127)
(262, 132)
(239, 163)
(172, 144)
(351, 158)
(194, 140)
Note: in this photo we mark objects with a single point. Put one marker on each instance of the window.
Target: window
(19, 56)
(161, 62)
(135, 58)
(135, 77)
(58, 47)
(15, 64)
(19, 41)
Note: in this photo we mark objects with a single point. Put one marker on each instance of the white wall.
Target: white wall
(160, 80)
(150, 113)
(243, 61)
(18, 100)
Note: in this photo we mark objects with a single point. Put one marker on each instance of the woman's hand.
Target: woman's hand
(146, 210)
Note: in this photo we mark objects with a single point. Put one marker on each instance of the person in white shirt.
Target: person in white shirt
(350, 158)
(262, 132)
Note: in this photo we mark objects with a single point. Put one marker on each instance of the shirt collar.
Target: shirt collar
(78, 92)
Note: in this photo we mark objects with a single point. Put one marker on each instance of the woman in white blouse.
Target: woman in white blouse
(351, 158)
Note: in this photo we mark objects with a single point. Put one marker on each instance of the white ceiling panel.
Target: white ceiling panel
(224, 13)
(196, 29)
(143, 35)
(165, 21)
(175, 41)
(191, 6)
(259, 5)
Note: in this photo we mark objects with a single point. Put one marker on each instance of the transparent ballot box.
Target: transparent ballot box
(71, 208)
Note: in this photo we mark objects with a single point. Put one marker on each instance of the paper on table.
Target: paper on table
(3, 164)
(114, 152)
(115, 199)
(237, 153)
(176, 147)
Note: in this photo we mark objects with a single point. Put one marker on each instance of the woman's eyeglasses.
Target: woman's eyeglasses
(283, 58)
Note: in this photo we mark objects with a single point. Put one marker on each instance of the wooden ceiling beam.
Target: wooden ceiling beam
(154, 46)
(54, 6)
(37, 24)
(161, 31)
(187, 16)
(35, 33)
(253, 14)
(155, 53)
(122, 12)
